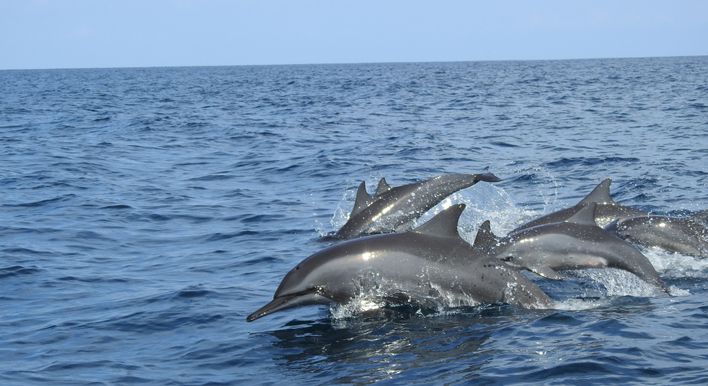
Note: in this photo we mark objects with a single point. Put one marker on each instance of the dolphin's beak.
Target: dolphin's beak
(288, 301)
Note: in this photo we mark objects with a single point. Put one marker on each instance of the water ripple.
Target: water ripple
(146, 212)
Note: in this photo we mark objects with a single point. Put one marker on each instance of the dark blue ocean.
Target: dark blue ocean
(145, 212)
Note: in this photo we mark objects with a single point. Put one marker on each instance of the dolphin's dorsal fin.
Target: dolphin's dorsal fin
(363, 199)
(443, 224)
(585, 216)
(383, 187)
(600, 195)
(485, 237)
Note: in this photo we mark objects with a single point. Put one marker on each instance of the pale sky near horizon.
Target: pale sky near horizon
(137, 33)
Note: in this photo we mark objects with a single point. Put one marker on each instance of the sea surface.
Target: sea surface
(145, 212)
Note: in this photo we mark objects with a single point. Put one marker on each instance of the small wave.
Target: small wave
(261, 218)
(93, 279)
(190, 293)
(92, 235)
(213, 177)
(144, 322)
(39, 203)
(26, 251)
(503, 144)
(582, 369)
(17, 270)
(117, 206)
(227, 236)
(61, 366)
(590, 161)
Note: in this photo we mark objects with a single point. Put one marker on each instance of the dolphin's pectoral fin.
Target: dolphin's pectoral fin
(363, 199)
(547, 272)
(600, 195)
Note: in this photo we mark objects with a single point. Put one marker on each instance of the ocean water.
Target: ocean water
(144, 213)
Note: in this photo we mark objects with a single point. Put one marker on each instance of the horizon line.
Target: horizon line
(347, 63)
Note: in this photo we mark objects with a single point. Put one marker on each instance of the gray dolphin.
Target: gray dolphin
(701, 217)
(607, 209)
(572, 244)
(389, 209)
(683, 235)
(429, 261)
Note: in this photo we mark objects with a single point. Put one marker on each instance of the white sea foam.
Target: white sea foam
(579, 304)
(676, 265)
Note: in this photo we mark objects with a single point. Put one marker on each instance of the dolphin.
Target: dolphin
(390, 209)
(701, 217)
(575, 243)
(682, 235)
(607, 209)
(430, 261)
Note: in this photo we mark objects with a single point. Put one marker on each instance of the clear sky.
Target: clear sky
(130, 33)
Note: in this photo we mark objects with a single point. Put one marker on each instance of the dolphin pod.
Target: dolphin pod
(574, 243)
(432, 262)
(687, 235)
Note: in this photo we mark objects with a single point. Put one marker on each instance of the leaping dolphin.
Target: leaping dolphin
(608, 210)
(429, 261)
(683, 235)
(389, 209)
(571, 244)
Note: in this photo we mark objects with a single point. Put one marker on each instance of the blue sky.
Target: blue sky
(130, 33)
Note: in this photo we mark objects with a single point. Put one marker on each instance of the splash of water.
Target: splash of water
(676, 265)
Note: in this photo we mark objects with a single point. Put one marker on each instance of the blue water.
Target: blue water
(146, 212)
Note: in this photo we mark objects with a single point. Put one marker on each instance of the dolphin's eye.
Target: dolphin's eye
(297, 268)
(507, 258)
